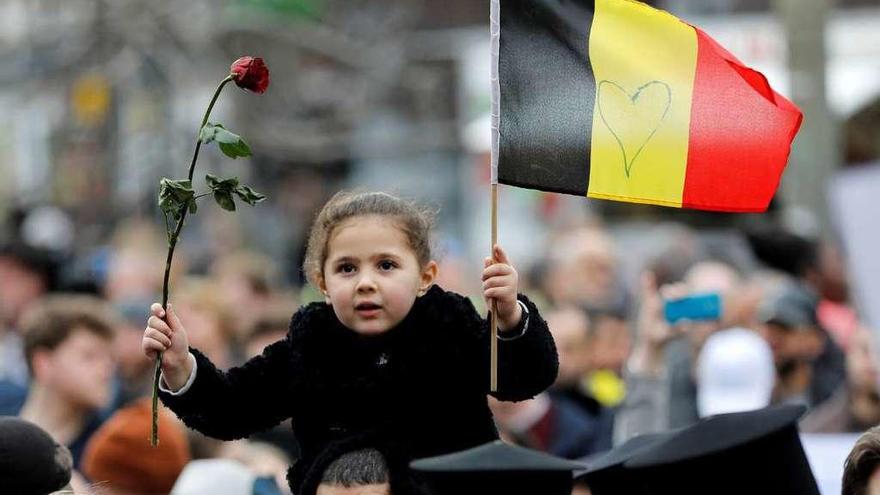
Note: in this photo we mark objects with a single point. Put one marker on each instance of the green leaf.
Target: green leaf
(221, 135)
(230, 143)
(212, 180)
(248, 195)
(224, 189)
(216, 183)
(174, 196)
(216, 132)
(192, 206)
(224, 199)
(207, 133)
(236, 149)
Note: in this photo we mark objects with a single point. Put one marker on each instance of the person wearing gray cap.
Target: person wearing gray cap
(810, 366)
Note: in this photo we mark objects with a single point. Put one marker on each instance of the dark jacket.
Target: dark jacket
(420, 387)
(583, 427)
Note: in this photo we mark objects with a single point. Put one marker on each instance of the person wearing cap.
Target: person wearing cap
(734, 373)
(810, 366)
(31, 461)
(68, 347)
(754, 452)
(496, 467)
(607, 473)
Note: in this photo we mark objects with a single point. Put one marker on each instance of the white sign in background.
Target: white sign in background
(827, 453)
(855, 205)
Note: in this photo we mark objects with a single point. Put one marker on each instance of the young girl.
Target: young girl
(389, 359)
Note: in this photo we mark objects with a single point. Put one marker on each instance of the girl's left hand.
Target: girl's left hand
(500, 285)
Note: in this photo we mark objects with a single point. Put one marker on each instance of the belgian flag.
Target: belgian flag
(614, 99)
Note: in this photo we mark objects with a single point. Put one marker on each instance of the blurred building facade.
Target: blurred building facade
(103, 98)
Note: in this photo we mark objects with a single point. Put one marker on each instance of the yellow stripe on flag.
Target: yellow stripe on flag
(644, 62)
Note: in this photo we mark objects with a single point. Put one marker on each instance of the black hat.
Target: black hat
(794, 307)
(31, 462)
(606, 474)
(755, 452)
(496, 467)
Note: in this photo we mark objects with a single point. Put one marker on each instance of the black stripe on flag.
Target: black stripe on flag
(547, 94)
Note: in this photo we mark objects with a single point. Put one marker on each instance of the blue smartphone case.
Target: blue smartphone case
(698, 307)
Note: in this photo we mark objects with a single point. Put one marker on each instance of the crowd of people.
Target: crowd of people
(72, 361)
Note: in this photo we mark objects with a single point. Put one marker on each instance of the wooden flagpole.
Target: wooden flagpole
(494, 42)
(493, 373)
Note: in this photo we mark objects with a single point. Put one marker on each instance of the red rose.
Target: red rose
(250, 73)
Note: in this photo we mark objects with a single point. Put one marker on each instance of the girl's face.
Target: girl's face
(372, 276)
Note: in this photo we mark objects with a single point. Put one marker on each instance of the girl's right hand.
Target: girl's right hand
(167, 335)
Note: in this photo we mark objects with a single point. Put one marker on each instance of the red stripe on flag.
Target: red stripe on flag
(740, 134)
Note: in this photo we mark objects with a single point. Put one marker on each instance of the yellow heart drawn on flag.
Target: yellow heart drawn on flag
(633, 119)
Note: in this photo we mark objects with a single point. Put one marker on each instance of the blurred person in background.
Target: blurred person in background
(675, 248)
(819, 276)
(119, 459)
(222, 477)
(810, 366)
(734, 373)
(134, 372)
(261, 458)
(582, 270)
(861, 471)
(246, 279)
(704, 277)
(835, 311)
(210, 328)
(660, 380)
(209, 321)
(553, 425)
(268, 328)
(819, 267)
(758, 286)
(854, 407)
(575, 342)
(26, 274)
(68, 344)
(136, 262)
(611, 343)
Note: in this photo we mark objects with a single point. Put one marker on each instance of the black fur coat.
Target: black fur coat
(417, 390)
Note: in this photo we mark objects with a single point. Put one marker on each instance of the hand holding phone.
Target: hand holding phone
(696, 307)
